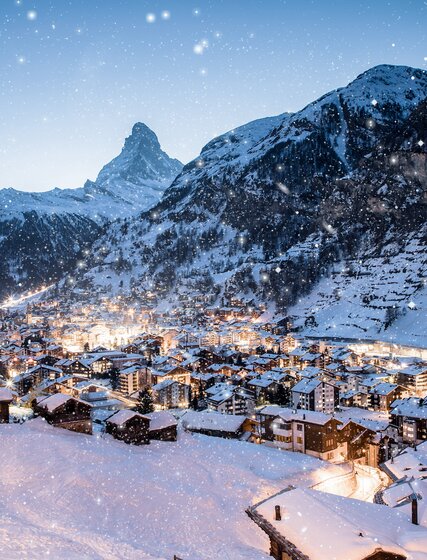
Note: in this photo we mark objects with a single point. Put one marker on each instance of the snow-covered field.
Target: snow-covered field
(69, 496)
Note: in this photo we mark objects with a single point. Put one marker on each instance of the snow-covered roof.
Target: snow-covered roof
(411, 408)
(383, 389)
(212, 421)
(414, 370)
(337, 527)
(261, 382)
(163, 384)
(5, 395)
(161, 420)
(55, 401)
(272, 410)
(306, 386)
(122, 416)
(309, 416)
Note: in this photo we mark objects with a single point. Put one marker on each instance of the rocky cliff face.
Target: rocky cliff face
(272, 209)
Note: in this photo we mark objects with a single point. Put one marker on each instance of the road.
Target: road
(369, 481)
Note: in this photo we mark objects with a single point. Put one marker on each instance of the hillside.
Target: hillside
(65, 495)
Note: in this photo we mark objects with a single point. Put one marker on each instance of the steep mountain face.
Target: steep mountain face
(273, 209)
(43, 235)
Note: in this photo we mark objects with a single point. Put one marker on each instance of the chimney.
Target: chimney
(278, 516)
(414, 510)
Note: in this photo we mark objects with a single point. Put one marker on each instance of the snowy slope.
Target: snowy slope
(66, 495)
(381, 296)
(273, 209)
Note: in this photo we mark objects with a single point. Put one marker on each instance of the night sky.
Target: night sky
(75, 75)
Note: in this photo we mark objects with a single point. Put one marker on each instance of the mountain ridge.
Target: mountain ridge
(267, 210)
(44, 231)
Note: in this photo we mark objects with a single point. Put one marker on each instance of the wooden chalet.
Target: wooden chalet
(129, 426)
(163, 426)
(64, 411)
(229, 426)
(6, 398)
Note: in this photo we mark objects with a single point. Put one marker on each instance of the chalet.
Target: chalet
(170, 394)
(264, 388)
(265, 417)
(218, 425)
(163, 426)
(313, 433)
(6, 398)
(99, 363)
(295, 356)
(128, 426)
(335, 527)
(409, 416)
(24, 382)
(207, 358)
(224, 369)
(131, 379)
(46, 359)
(414, 378)
(383, 394)
(361, 444)
(175, 373)
(345, 357)
(80, 367)
(312, 359)
(230, 399)
(353, 397)
(63, 411)
(316, 395)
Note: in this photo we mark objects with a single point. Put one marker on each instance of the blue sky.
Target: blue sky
(76, 74)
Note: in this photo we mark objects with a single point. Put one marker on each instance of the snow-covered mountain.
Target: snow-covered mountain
(282, 207)
(43, 234)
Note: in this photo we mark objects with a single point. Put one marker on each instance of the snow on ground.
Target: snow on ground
(67, 495)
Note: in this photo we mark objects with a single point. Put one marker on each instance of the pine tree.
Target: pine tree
(114, 378)
(145, 402)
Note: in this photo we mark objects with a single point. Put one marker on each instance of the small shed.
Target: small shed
(129, 426)
(6, 398)
(163, 426)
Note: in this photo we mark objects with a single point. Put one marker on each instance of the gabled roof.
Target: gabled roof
(308, 416)
(120, 417)
(306, 386)
(57, 400)
(214, 421)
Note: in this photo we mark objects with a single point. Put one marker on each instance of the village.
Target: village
(137, 375)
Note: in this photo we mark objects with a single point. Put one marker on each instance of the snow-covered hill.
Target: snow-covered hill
(66, 495)
(272, 209)
(42, 235)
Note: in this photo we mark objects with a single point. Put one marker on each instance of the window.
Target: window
(299, 440)
(299, 427)
(284, 439)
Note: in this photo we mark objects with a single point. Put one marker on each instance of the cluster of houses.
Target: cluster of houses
(291, 389)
